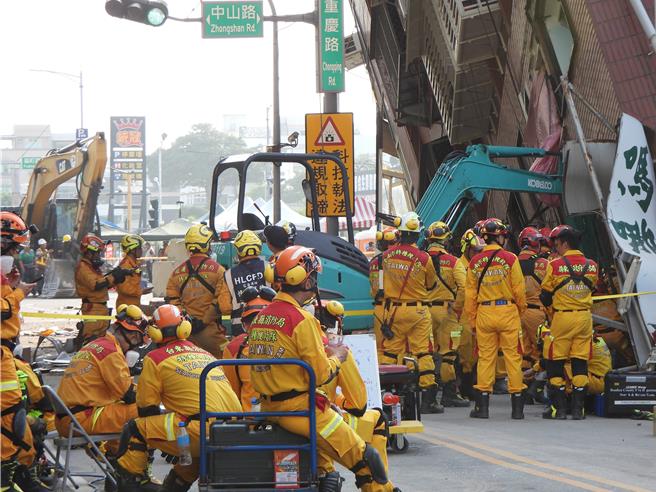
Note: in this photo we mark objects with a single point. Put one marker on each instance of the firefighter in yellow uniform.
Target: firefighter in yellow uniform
(254, 300)
(370, 424)
(384, 240)
(195, 286)
(567, 288)
(129, 292)
(285, 330)
(470, 245)
(97, 386)
(495, 298)
(409, 276)
(599, 365)
(17, 445)
(170, 377)
(93, 287)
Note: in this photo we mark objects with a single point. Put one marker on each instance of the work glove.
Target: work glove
(118, 274)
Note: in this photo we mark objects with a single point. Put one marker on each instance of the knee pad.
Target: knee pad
(375, 464)
(331, 482)
(555, 368)
(130, 430)
(579, 367)
(19, 423)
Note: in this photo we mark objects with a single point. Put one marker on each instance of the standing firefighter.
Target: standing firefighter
(248, 273)
(170, 378)
(494, 300)
(284, 329)
(409, 276)
(129, 292)
(446, 329)
(385, 239)
(194, 287)
(567, 287)
(93, 287)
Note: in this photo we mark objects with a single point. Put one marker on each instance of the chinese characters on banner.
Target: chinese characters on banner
(127, 154)
(330, 133)
(631, 207)
(330, 73)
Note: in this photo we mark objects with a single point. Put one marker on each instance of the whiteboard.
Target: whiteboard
(363, 348)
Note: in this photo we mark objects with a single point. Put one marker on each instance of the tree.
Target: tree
(192, 157)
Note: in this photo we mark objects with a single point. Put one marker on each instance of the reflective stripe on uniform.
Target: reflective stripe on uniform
(169, 426)
(9, 385)
(94, 417)
(331, 426)
(352, 422)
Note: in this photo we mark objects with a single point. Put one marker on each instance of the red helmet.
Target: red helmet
(494, 227)
(545, 232)
(478, 227)
(92, 243)
(295, 264)
(562, 231)
(530, 237)
(14, 230)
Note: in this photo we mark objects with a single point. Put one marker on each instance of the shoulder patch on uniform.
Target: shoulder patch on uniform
(235, 343)
(177, 347)
(100, 347)
(509, 257)
(280, 316)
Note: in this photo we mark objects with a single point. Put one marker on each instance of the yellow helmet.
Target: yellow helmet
(469, 238)
(66, 238)
(438, 231)
(410, 222)
(130, 242)
(248, 244)
(198, 238)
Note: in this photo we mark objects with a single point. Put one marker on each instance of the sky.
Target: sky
(169, 74)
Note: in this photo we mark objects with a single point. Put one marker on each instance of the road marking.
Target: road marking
(512, 466)
(548, 466)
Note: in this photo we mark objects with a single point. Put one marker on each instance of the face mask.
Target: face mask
(132, 357)
(6, 264)
(97, 262)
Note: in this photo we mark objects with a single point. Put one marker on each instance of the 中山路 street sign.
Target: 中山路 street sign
(233, 19)
(330, 73)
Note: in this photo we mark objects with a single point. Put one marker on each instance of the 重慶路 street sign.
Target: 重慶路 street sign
(233, 19)
(330, 73)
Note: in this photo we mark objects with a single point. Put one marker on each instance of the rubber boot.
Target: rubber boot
(500, 387)
(429, 403)
(481, 406)
(578, 402)
(128, 482)
(558, 408)
(536, 392)
(7, 476)
(173, 483)
(331, 482)
(466, 385)
(28, 480)
(517, 400)
(450, 396)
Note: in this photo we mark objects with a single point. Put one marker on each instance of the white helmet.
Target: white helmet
(410, 222)
(41, 242)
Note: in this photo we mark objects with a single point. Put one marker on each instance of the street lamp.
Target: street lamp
(73, 76)
(179, 203)
(159, 174)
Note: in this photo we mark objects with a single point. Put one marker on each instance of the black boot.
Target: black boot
(578, 402)
(173, 483)
(536, 392)
(450, 396)
(558, 408)
(481, 406)
(466, 385)
(7, 476)
(28, 479)
(128, 482)
(429, 403)
(517, 400)
(331, 482)
(500, 387)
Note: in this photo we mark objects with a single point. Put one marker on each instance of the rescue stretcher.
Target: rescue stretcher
(238, 452)
(403, 381)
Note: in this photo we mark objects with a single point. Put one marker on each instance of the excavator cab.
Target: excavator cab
(242, 186)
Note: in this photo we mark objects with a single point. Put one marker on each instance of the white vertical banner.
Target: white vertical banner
(364, 352)
(631, 207)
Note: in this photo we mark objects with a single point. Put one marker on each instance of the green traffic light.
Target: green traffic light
(156, 16)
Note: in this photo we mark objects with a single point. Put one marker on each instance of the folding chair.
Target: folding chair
(77, 436)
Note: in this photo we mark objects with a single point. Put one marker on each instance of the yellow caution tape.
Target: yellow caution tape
(619, 296)
(66, 316)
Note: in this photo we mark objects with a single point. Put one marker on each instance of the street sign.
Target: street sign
(330, 133)
(330, 73)
(233, 19)
(29, 162)
(81, 133)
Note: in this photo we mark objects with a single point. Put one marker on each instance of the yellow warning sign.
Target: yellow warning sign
(330, 133)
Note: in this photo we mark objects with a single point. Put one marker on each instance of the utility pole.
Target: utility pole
(160, 177)
(331, 105)
(276, 116)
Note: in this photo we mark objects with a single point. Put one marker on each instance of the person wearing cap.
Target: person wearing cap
(195, 285)
(409, 276)
(447, 331)
(495, 298)
(385, 239)
(249, 272)
(351, 399)
(470, 245)
(170, 378)
(129, 292)
(284, 329)
(42, 261)
(93, 287)
(278, 237)
(254, 300)
(567, 288)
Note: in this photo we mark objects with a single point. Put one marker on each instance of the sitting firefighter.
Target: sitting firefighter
(170, 378)
(285, 329)
(370, 424)
(254, 300)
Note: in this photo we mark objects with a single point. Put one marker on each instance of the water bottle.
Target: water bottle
(255, 404)
(184, 453)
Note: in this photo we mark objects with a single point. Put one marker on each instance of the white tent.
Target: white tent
(227, 220)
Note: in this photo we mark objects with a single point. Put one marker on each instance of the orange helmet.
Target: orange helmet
(530, 237)
(92, 243)
(14, 230)
(254, 300)
(131, 318)
(295, 264)
(169, 323)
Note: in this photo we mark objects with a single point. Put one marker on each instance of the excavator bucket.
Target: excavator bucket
(59, 281)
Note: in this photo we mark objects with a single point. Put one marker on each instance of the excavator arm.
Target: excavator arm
(466, 178)
(84, 160)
